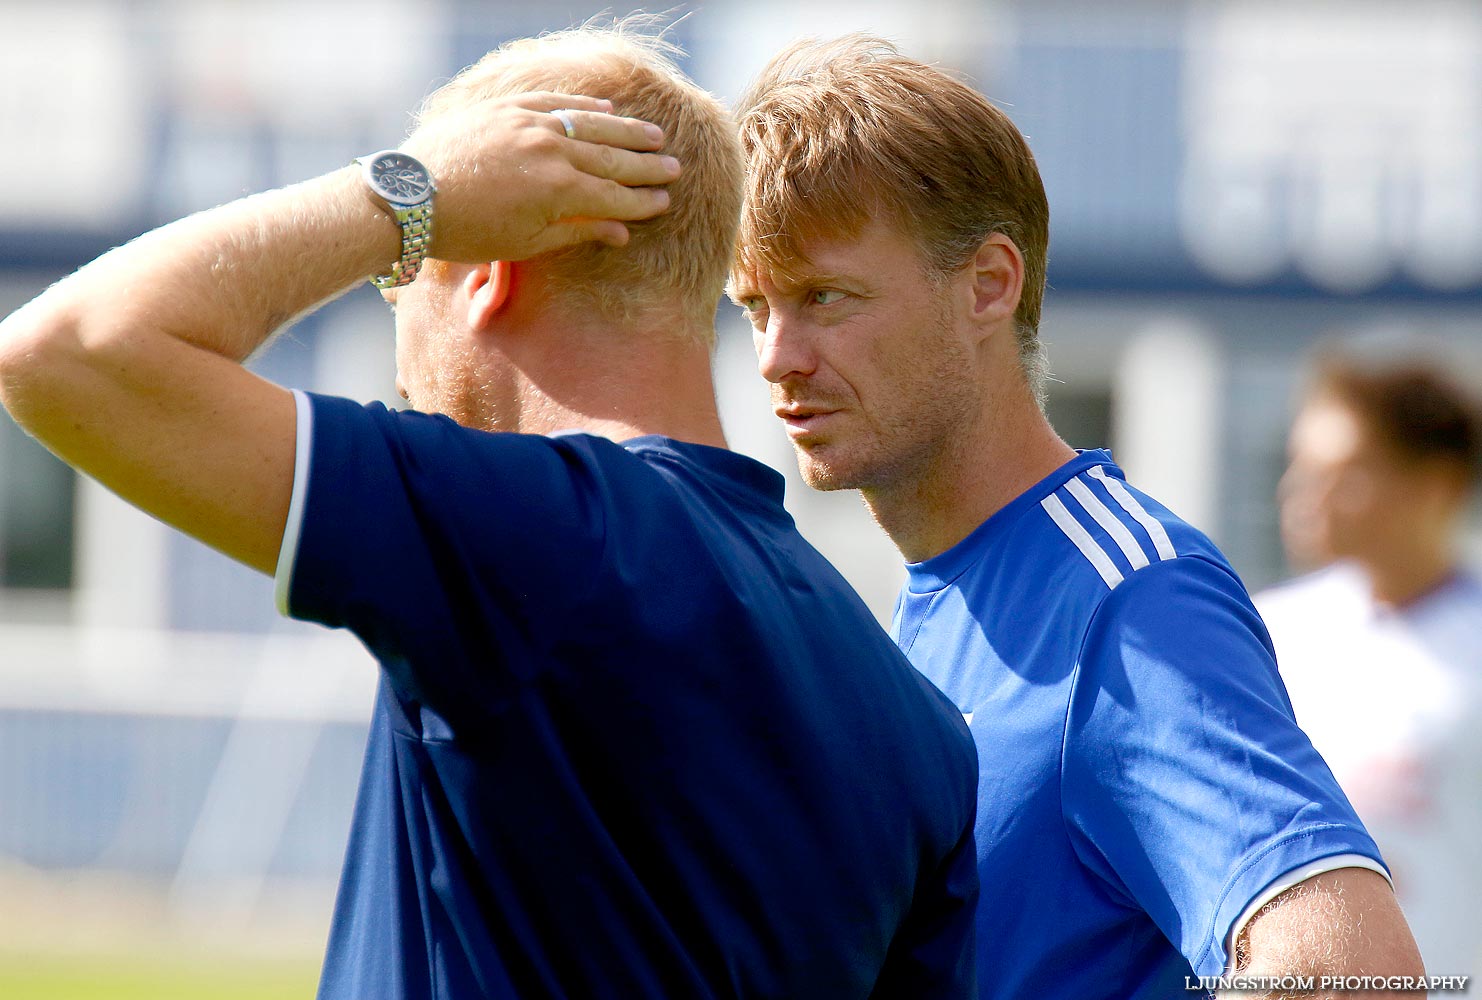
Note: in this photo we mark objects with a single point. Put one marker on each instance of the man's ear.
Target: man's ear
(997, 279)
(486, 288)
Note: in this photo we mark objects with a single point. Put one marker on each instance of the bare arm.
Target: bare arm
(130, 369)
(1341, 923)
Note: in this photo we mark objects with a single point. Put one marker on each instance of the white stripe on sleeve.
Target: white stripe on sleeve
(1082, 539)
(288, 550)
(1130, 505)
(1088, 501)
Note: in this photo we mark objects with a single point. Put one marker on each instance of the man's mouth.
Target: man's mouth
(803, 420)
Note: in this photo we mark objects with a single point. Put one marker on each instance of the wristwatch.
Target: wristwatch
(406, 188)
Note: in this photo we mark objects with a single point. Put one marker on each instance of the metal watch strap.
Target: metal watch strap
(404, 188)
(416, 237)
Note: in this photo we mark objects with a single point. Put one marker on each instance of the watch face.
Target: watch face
(399, 178)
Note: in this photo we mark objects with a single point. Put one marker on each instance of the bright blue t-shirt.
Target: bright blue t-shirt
(1141, 776)
(634, 736)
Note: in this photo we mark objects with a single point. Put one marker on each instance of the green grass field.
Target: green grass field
(155, 978)
(96, 935)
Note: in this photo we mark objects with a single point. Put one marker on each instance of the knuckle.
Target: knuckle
(542, 139)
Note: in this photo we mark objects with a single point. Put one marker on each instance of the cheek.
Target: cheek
(415, 366)
(930, 375)
(1300, 491)
(1359, 502)
(405, 357)
(401, 343)
(405, 331)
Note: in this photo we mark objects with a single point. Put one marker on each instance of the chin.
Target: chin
(1305, 553)
(826, 476)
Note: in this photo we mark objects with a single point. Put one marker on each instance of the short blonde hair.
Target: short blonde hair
(678, 260)
(838, 133)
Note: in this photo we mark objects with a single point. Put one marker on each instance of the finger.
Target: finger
(594, 198)
(611, 130)
(624, 166)
(547, 101)
(569, 232)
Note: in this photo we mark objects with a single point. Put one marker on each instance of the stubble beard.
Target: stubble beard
(889, 462)
(894, 459)
(820, 475)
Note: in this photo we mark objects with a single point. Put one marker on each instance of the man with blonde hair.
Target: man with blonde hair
(1148, 811)
(634, 737)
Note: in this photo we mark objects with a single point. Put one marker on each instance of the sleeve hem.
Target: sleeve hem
(288, 551)
(1292, 878)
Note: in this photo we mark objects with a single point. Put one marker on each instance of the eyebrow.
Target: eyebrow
(737, 290)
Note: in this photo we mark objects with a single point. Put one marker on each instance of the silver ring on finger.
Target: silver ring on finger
(563, 115)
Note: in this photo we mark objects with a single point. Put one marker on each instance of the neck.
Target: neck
(617, 383)
(1408, 577)
(971, 476)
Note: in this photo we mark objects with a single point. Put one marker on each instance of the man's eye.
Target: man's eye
(753, 303)
(825, 296)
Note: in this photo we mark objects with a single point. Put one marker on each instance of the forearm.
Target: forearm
(131, 368)
(222, 281)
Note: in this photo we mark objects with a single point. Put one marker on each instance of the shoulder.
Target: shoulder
(369, 440)
(1105, 533)
(1150, 580)
(730, 475)
(1081, 546)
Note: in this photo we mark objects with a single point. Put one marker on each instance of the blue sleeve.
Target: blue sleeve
(1188, 787)
(440, 545)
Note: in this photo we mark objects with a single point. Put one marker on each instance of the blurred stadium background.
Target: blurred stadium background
(1229, 183)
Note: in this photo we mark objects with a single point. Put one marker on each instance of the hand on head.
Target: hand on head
(511, 184)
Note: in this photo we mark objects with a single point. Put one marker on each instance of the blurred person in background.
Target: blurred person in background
(634, 737)
(1381, 645)
(1148, 809)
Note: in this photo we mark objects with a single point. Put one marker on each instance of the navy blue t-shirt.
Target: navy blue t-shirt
(634, 736)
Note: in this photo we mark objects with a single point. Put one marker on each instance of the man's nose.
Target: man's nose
(783, 349)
